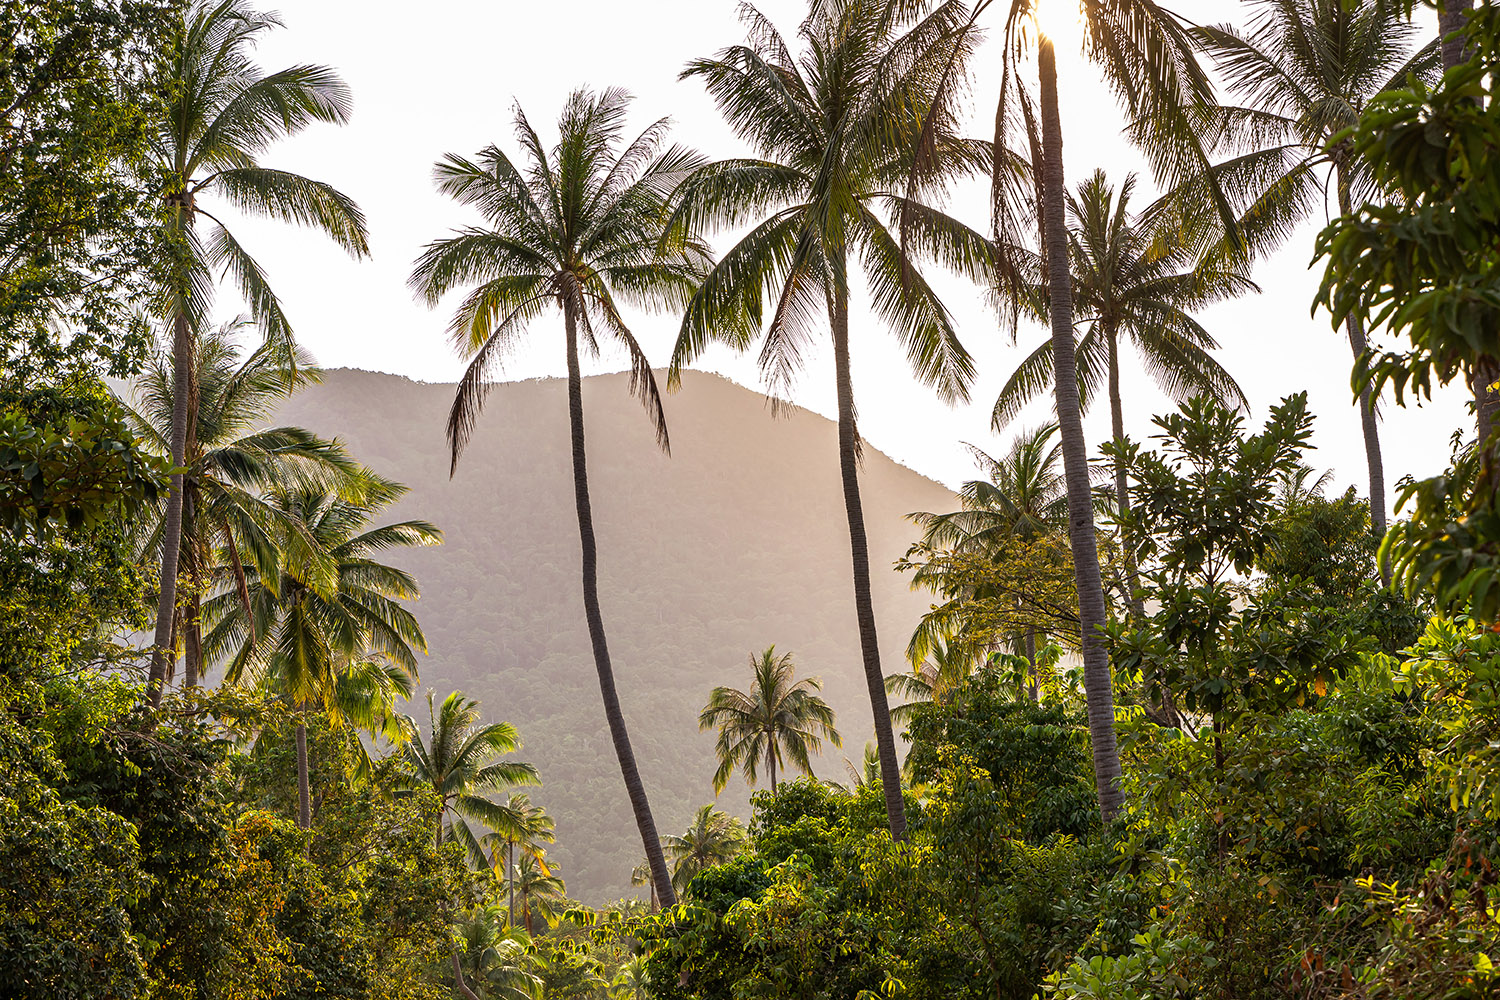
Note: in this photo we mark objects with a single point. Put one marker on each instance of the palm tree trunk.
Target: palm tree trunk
(171, 532)
(1091, 609)
(1122, 490)
(1368, 426)
(304, 801)
(771, 763)
(612, 712)
(510, 878)
(1031, 659)
(192, 626)
(859, 551)
(1451, 17)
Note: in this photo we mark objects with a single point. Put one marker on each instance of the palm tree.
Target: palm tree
(528, 830)
(1133, 276)
(775, 716)
(230, 460)
(713, 838)
(579, 229)
(218, 114)
(1145, 54)
(494, 957)
(641, 875)
(539, 889)
(834, 132)
(1021, 498)
(299, 625)
(1305, 70)
(458, 763)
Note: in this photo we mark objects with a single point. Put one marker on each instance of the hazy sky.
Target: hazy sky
(442, 76)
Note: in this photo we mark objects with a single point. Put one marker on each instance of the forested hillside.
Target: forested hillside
(734, 542)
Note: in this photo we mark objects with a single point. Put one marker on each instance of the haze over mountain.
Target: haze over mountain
(736, 541)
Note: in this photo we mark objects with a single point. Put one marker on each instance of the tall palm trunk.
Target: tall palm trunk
(1091, 610)
(192, 624)
(1122, 489)
(1371, 429)
(633, 786)
(171, 532)
(1031, 661)
(771, 761)
(510, 877)
(304, 799)
(859, 551)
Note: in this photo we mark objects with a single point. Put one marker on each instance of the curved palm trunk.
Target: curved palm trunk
(304, 799)
(859, 551)
(1091, 609)
(633, 786)
(1122, 489)
(171, 533)
(1368, 426)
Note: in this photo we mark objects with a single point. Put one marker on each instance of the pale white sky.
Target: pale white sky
(441, 76)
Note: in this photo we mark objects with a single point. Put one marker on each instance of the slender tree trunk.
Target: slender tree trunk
(1367, 423)
(1031, 659)
(510, 878)
(1451, 17)
(1122, 487)
(171, 532)
(612, 712)
(458, 977)
(304, 801)
(859, 551)
(192, 625)
(771, 763)
(1091, 608)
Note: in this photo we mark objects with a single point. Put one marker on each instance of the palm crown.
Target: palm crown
(713, 838)
(458, 762)
(775, 717)
(579, 228)
(231, 460)
(834, 131)
(222, 112)
(1134, 276)
(302, 620)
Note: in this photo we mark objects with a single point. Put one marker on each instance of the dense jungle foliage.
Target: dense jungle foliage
(1178, 723)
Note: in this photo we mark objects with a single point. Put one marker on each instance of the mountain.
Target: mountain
(736, 541)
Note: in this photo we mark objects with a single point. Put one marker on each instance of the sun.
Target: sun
(1061, 21)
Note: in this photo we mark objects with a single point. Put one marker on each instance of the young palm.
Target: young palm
(494, 956)
(834, 132)
(713, 838)
(1021, 498)
(220, 113)
(231, 459)
(300, 626)
(1305, 69)
(459, 763)
(540, 889)
(528, 830)
(578, 229)
(776, 716)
